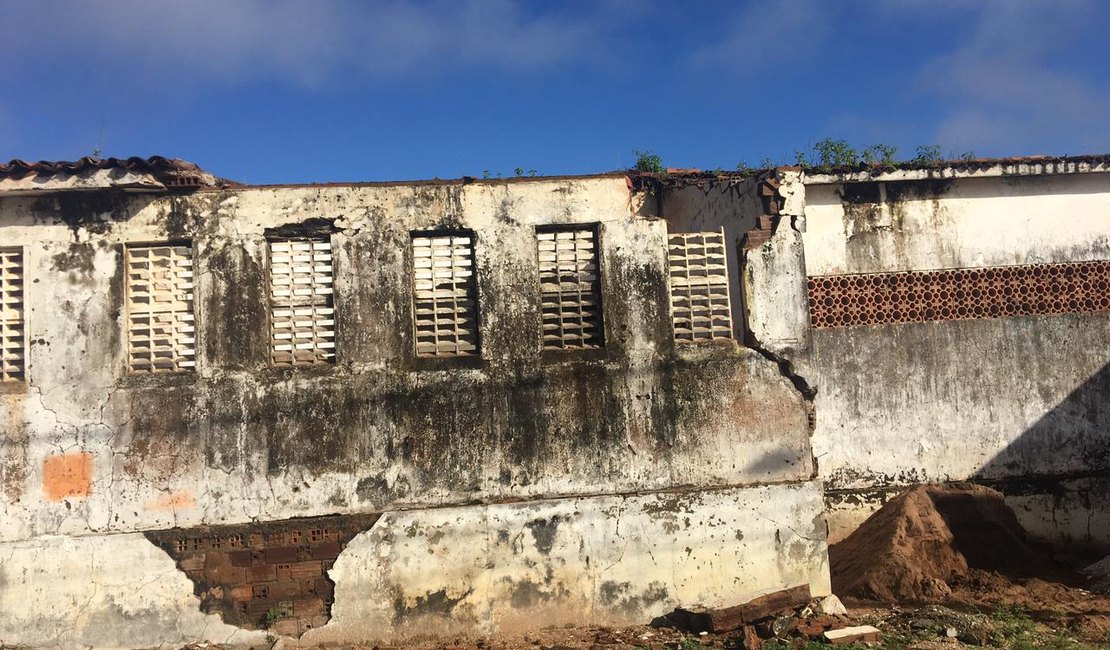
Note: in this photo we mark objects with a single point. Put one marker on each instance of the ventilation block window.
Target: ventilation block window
(570, 288)
(161, 330)
(445, 305)
(12, 340)
(302, 311)
(699, 286)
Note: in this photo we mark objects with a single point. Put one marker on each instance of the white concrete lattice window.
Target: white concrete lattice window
(13, 347)
(570, 288)
(700, 308)
(302, 308)
(445, 304)
(161, 332)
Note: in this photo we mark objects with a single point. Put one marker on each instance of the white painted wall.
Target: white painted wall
(990, 399)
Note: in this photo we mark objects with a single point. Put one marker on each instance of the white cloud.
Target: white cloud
(307, 42)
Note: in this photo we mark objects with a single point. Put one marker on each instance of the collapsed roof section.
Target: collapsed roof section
(135, 174)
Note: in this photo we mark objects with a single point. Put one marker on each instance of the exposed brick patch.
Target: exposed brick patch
(268, 575)
(959, 294)
(761, 234)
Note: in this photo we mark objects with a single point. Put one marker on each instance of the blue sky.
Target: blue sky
(267, 91)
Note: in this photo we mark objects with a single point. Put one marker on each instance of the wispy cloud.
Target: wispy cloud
(305, 42)
(767, 32)
(1018, 81)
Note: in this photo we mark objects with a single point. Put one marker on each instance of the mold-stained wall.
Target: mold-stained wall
(1000, 373)
(89, 451)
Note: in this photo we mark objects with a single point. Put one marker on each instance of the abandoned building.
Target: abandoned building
(388, 411)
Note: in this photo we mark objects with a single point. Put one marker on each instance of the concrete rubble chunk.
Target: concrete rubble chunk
(861, 633)
(831, 606)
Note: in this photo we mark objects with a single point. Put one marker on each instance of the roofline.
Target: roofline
(956, 169)
(464, 180)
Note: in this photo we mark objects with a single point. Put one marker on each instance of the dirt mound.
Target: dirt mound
(1098, 576)
(930, 538)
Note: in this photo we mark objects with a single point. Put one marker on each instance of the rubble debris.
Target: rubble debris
(730, 618)
(749, 639)
(861, 633)
(789, 616)
(832, 606)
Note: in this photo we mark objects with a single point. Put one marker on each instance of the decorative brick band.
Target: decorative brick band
(959, 294)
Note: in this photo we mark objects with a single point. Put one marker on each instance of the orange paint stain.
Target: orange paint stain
(67, 475)
(183, 500)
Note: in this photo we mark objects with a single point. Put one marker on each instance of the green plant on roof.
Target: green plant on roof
(646, 161)
(879, 154)
(927, 154)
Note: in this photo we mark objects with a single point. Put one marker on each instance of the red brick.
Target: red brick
(261, 573)
(326, 551)
(239, 558)
(309, 607)
(281, 555)
(287, 627)
(241, 592)
(284, 590)
(303, 570)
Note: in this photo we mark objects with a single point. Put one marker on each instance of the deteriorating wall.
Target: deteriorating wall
(960, 331)
(88, 448)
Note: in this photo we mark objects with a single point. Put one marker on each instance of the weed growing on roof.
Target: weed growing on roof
(879, 154)
(927, 155)
(746, 169)
(646, 161)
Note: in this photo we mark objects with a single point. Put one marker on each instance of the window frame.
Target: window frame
(598, 290)
(14, 383)
(432, 361)
(188, 371)
(271, 305)
(715, 332)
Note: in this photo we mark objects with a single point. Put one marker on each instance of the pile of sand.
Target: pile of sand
(931, 539)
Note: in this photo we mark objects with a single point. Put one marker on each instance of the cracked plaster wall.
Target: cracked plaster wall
(1017, 402)
(602, 561)
(87, 450)
(103, 591)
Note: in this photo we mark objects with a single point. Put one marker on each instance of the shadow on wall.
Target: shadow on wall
(1056, 475)
(1070, 440)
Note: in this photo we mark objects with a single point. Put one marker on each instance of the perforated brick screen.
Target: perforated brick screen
(160, 308)
(445, 303)
(700, 308)
(13, 351)
(302, 311)
(570, 288)
(992, 292)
